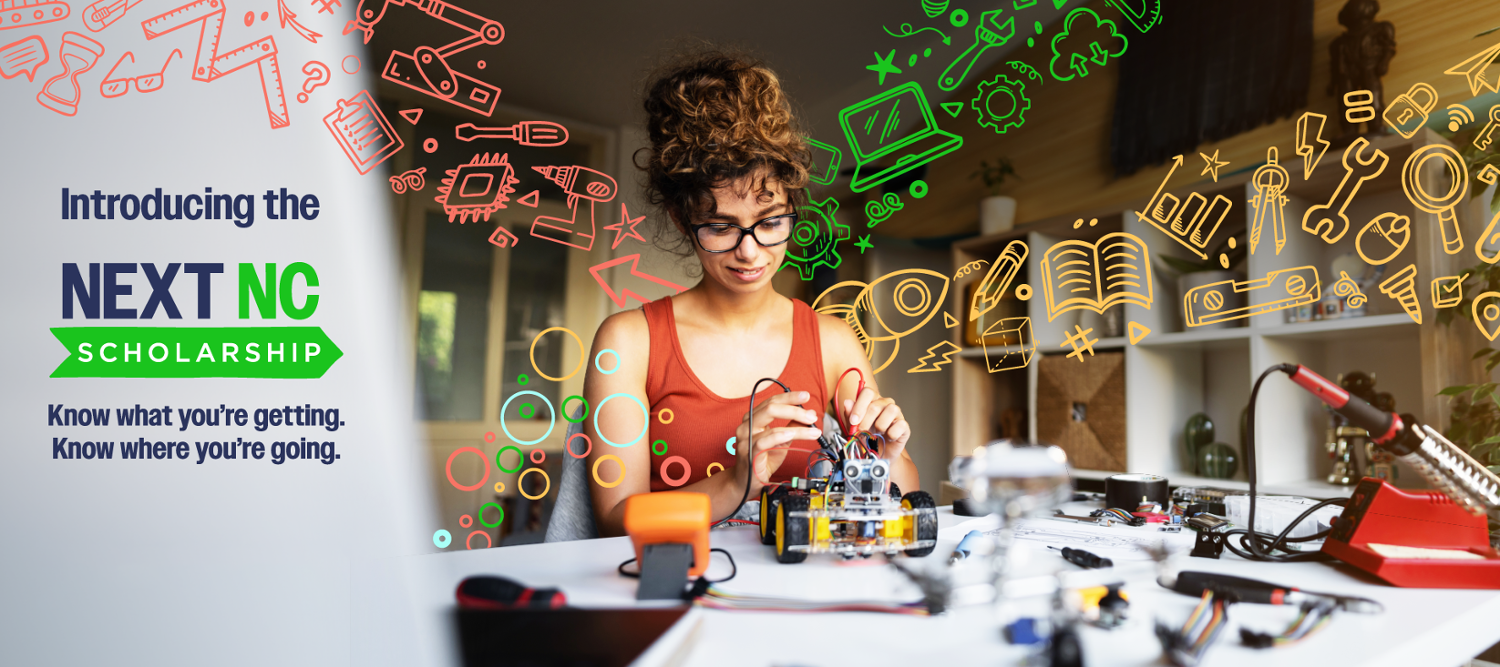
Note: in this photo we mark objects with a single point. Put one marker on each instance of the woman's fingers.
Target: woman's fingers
(782, 435)
(885, 412)
(793, 413)
(860, 407)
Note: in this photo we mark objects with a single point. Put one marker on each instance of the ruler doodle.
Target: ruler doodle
(209, 65)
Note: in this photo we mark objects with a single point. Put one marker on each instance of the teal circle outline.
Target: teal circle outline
(645, 423)
(917, 185)
(663, 451)
(959, 18)
(585, 409)
(601, 370)
(550, 424)
(445, 536)
(480, 514)
(518, 467)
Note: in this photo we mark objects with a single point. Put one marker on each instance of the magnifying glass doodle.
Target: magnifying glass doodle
(1411, 182)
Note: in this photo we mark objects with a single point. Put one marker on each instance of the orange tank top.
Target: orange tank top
(702, 422)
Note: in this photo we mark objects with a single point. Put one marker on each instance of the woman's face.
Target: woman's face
(748, 266)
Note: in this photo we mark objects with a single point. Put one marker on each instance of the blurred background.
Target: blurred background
(1224, 81)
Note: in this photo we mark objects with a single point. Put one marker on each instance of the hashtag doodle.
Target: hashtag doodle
(1080, 342)
(944, 348)
(326, 5)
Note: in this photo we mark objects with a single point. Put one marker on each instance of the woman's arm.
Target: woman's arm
(868, 410)
(627, 334)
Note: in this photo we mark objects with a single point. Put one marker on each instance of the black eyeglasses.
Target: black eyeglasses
(724, 237)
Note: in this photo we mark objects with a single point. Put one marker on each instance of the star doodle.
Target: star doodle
(863, 244)
(619, 228)
(884, 66)
(1213, 165)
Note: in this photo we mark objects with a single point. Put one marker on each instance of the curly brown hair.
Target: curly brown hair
(713, 118)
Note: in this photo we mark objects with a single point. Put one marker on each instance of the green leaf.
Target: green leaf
(1456, 390)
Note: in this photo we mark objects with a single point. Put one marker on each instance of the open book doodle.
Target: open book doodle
(1097, 276)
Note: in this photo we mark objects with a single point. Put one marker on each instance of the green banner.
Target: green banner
(195, 352)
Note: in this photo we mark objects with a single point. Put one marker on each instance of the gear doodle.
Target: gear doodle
(996, 93)
(816, 237)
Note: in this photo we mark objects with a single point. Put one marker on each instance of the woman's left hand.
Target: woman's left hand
(880, 416)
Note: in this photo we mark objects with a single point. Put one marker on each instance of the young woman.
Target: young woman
(726, 165)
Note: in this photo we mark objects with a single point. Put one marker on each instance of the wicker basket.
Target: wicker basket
(1080, 407)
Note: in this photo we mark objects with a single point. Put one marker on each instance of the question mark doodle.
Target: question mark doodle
(318, 74)
(881, 209)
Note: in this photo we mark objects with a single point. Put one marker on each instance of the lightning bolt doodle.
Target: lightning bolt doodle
(1311, 145)
(944, 348)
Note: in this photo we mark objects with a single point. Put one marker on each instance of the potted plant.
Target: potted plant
(1195, 273)
(997, 213)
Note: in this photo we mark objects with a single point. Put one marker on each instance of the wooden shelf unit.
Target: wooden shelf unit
(1175, 372)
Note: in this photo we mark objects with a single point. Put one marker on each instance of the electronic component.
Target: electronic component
(1084, 559)
(1195, 583)
(670, 535)
(1131, 490)
(1207, 522)
(477, 188)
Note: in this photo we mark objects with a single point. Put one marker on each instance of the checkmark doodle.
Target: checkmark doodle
(1448, 291)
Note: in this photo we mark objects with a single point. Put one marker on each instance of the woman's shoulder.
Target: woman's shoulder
(836, 336)
(624, 330)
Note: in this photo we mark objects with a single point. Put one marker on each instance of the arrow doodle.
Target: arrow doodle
(625, 294)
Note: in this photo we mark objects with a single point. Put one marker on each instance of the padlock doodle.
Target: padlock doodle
(882, 209)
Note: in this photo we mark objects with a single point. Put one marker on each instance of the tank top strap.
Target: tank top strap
(660, 327)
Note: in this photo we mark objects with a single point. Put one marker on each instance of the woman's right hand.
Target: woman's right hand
(772, 444)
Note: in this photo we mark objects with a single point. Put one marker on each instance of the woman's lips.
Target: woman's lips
(748, 275)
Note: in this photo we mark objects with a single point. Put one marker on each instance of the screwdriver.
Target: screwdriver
(1085, 559)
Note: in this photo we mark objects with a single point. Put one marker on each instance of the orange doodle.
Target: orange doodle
(285, 17)
(318, 74)
(78, 54)
(623, 295)
(619, 228)
(580, 184)
(1332, 223)
(209, 65)
(539, 133)
(22, 13)
(363, 132)
(426, 70)
(409, 180)
(104, 13)
(479, 187)
(145, 83)
(23, 57)
(504, 238)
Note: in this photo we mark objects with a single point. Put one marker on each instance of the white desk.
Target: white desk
(1420, 627)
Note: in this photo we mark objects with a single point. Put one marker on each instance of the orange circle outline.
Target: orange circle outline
(687, 471)
(488, 541)
(600, 482)
(662, 414)
(545, 489)
(449, 468)
(464, 518)
(583, 354)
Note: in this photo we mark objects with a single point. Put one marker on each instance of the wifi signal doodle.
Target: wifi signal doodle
(479, 187)
(944, 348)
(1459, 116)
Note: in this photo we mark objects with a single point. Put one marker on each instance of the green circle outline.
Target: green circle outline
(480, 514)
(663, 451)
(585, 409)
(518, 467)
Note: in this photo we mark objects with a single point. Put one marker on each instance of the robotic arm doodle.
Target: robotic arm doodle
(427, 70)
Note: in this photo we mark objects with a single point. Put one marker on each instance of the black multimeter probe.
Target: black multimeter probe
(1085, 559)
